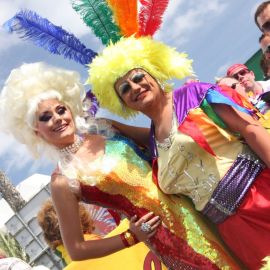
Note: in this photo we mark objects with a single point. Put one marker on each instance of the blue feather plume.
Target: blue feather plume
(30, 26)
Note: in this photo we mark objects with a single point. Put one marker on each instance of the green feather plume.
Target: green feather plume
(98, 16)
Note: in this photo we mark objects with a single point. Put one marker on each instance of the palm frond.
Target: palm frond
(11, 247)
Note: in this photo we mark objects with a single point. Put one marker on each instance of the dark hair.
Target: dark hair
(259, 10)
(265, 65)
(48, 221)
(261, 37)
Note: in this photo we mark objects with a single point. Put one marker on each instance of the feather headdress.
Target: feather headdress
(150, 17)
(125, 31)
(98, 16)
(109, 20)
(161, 61)
(30, 26)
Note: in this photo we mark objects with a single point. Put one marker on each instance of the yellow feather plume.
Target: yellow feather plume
(161, 61)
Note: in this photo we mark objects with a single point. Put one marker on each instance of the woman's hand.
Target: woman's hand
(145, 227)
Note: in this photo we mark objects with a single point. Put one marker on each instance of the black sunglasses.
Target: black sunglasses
(240, 73)
(266, 27)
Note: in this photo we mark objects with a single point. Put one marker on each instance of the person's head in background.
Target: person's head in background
(234, 84)
(264, 41)
(262, 17)
(246, 77)
(265, 66)
(48, 221)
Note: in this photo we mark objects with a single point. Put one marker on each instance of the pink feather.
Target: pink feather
(150, 16)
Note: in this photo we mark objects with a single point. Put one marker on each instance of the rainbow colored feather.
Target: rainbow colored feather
(98, 16)
(125, 15)
(150, 17)
(30, 26)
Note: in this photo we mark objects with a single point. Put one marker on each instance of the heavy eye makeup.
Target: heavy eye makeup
(125, 86)
(46, 116)
(61, 110)
(137, 77)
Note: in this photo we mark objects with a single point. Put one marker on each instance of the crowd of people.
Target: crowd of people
(195, 185)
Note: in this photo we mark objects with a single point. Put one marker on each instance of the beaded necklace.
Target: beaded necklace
(72, 148)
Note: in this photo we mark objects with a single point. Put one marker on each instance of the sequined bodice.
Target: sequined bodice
(123, 180)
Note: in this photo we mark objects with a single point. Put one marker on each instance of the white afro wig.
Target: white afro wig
(25, 87)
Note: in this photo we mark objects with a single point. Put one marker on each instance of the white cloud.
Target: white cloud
(182, 18)
(17, 156)
(253, 9)
(60, 14)
(221, 71)
(7, 41)
(8, 9)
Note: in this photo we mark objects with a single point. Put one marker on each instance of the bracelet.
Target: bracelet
(124, 240)
(129, 238)
(133, 236)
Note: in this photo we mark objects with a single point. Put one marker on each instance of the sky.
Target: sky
(214, 33)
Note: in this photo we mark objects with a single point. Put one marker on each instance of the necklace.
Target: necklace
(72, 148)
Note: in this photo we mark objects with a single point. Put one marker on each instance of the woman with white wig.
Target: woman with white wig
(38, 105)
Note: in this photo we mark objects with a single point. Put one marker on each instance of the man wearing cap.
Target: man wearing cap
(247, 78)
(258, 91)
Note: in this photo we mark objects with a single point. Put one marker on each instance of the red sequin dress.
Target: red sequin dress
(122, 180)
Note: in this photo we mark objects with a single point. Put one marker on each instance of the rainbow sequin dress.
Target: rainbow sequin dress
(122, 180)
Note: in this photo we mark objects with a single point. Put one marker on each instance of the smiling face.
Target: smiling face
(54, 123)
(246, 77)
(137, 89)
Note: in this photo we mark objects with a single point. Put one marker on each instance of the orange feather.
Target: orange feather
(125, 15)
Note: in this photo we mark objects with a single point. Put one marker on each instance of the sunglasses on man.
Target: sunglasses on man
(266, 27)
(241, 73)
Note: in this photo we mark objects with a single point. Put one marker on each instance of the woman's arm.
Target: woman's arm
(250, 129)
(67, 209)
(139, 134)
